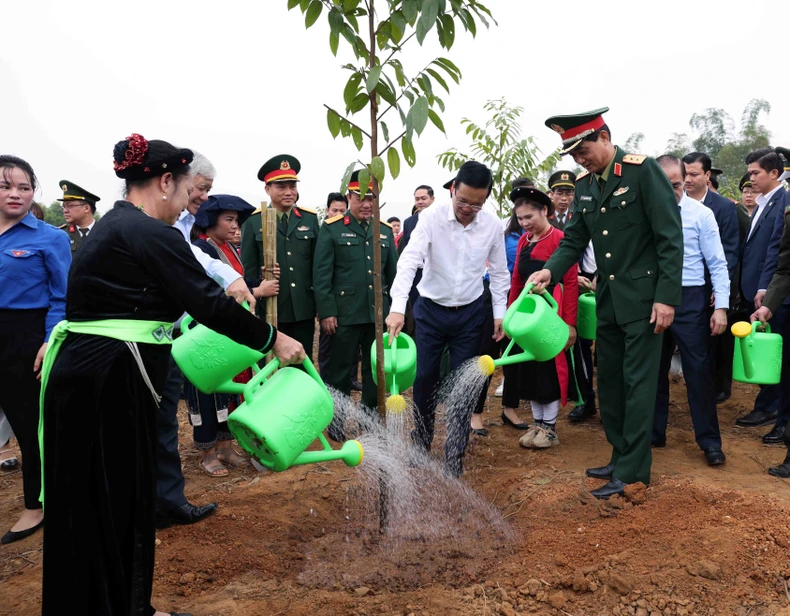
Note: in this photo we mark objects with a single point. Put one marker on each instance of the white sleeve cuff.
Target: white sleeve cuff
(499, 312)
(398, 305)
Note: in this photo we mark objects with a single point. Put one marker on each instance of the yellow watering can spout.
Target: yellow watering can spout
(396, 404)
(486, 364)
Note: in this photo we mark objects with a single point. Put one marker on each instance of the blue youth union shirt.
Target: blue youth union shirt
(34, 266)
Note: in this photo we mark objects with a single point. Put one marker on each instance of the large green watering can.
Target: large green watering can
(400, 368)
(282, 414)
(758, 355)
(531, 322)
(586, 321)
(210, 360)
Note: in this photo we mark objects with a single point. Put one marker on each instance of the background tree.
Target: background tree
(53, 214)
(500, 146)
(378, 31)
(634, 143)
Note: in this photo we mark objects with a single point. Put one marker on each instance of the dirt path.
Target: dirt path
(704, 541)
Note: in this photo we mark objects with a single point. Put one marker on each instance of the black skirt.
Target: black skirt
(530, 380)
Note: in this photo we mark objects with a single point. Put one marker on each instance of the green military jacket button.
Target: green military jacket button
(622, 203)
(609, 255)
(605, 232)
(611, 276)
(603, 210)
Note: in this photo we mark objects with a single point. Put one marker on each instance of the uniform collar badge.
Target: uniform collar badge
(72, 229)
(620, 191)
(346, 220)
(296, 212)
(618, 169)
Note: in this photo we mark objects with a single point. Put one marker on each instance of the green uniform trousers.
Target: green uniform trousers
(302, 331)
(628, 360)
(345, 342)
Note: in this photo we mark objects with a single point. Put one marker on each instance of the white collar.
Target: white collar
(451, 216)
(764, 199)
(186, 215)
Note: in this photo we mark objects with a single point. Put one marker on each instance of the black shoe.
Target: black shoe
(775, 436)
(12, 536)
(508, 422)
(659, 442)
(479, 431)
(715, 456)
(755, 419)
(615, 486)
(582, 412)
(356, 385)
(782, 471)
(601, 472)
(722, 396)
(185, 514)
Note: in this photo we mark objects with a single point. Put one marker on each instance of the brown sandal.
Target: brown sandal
(213, 466)
(229, 456)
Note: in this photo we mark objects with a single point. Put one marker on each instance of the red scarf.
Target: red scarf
(230, 253)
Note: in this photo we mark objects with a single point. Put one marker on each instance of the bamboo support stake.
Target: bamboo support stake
(269, 225)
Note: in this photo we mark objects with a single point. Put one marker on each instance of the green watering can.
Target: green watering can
(283, 414)
(587, 321)
(758, 355)
(400, 368)
(210, 360)
(531, 322)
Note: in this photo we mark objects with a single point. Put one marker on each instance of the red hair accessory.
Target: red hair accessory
(136, 149)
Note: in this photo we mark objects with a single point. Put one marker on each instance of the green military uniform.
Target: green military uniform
(71, 193)
(297, 234)
(631, 215)
(557, 181)
(343, 275)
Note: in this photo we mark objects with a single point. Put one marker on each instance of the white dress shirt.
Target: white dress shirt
(454, 261)
(761, 201)
(702, 246)
(220, 273)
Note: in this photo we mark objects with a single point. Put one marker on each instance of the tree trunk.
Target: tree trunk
(269, 222)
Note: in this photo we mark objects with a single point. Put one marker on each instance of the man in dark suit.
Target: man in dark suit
(699, 176)
(766, 176)
(765, 167)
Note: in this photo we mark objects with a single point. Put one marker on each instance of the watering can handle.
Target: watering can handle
(268, 370)
(766, 327)
(544, 294)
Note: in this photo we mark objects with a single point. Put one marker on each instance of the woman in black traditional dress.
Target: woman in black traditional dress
(102, 375)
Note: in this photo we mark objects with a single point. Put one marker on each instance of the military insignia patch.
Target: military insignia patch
(557, 128)
(620, 191)
(618, 169)
(19, 253)
(303, 228)
(565, 176)
(65, 187)
(285, 165)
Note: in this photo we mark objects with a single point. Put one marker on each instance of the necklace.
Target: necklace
(142, 209)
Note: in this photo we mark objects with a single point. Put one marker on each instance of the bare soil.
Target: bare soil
(698, 540)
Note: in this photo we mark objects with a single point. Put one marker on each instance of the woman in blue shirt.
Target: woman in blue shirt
(34, 265)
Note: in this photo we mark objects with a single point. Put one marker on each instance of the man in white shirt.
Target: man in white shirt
(453, 244)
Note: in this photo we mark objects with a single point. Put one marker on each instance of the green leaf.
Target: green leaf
(352, 88)
(364, 182)
(438, 78)
(409, 123)
(385, 91)
(436, 120)
(373, 79)
(385, 131)
(359, 102)
(333, 122)
(345, 128)
(292, 4)
(410, 10)
(470, 22)
(356, 134)
(427, 20)
(378, 169)
(350, 5)
(303, 4)
(449, 66)
(347, 177)
(449, 30)
(398, 20)
(420, 114)
(408, 152)
(393, 159)
(313, 13)
(425, 84)
(334, 41)
(451, 73)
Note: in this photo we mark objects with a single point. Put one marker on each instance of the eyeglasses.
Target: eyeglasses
(475, 207)
(68, 206)
(750, 191)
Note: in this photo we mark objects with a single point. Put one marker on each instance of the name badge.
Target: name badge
(382, 236)
(585, 198)
(348, 235)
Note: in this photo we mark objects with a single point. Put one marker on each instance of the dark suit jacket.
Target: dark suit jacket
(755, 250)
(780, 199)
(727, 218)
(408, 227)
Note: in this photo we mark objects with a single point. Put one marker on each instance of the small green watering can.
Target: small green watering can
(210, 360)
(400, 368)
(283, 414)
(587, 321)
(531, 322)
(758, 355)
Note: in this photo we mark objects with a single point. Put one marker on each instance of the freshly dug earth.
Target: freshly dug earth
(698, 540)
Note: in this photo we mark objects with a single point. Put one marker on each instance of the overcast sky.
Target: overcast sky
(242, 81)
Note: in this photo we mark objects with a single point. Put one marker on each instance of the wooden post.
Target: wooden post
(269, 225)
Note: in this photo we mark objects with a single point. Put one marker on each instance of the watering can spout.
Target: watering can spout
(352, 453)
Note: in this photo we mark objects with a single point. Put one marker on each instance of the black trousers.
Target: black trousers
(22, 333)
(169, 476)
(690, 330)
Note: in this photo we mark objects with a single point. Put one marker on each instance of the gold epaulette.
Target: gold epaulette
(63, 226)
(307, 209)
(634, 159)
(583, 174)
(329, 221)
(384, 222)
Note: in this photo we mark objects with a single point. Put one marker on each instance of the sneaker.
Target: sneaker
(500, 389)
(527, 438)
(545, 438)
